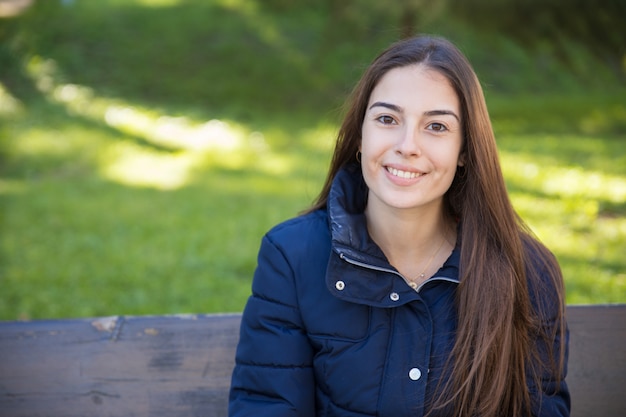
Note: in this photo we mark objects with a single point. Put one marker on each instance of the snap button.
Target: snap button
(340, 285)
(394, 296)
(415, 374)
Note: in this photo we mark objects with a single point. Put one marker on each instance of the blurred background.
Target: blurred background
(147, 145)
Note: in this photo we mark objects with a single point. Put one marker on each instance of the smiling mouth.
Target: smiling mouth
(403, 174)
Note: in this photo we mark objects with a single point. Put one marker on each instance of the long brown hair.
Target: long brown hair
(503, 268)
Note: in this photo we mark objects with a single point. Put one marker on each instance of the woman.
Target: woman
(411, 287)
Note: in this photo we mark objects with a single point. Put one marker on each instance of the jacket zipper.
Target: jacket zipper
(377, 268)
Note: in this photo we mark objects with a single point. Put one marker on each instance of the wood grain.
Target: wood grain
(117, 366)
(181, 365)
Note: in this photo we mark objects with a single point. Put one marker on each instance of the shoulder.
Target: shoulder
(292, 255)
(305, 230)
(539, 260)
(544, 277)
(301, 240)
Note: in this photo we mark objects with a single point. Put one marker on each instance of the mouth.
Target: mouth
(403, 174)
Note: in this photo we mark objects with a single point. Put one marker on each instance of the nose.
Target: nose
(409, 143)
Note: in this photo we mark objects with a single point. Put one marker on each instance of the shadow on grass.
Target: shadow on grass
(124, 50)
(79, 242)
(91, 231)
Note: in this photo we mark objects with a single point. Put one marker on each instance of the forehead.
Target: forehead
(415, 86)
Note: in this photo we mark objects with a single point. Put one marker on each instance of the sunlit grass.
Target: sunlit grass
(102, 215)
(98, 220)
(143, 212)
(138, 176)
(9, 105)
(563, 181)
(78, 242)
(188, 144)
(575, 207)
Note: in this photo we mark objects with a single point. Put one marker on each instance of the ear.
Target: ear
(461, 160)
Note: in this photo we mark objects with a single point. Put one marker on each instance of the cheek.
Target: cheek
(448, 161)
(451, 156)
(375, 142)
(368, 145)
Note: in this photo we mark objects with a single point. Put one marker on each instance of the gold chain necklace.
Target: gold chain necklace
(422, 275)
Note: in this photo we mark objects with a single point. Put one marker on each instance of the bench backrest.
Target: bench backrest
(181, 365)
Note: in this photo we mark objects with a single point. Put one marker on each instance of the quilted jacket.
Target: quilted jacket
(332, 329)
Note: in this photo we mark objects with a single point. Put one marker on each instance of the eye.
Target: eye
(386, 120)
(437, 127)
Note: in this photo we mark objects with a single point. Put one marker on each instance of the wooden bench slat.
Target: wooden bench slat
(181, 365)
(597, 360)
(118, 366)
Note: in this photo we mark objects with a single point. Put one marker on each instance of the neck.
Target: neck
(409, 238)
(406, 229)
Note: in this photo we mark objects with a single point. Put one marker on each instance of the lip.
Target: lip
(402, 175)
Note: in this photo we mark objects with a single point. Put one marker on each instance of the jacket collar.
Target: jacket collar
(346, 211)
(353, 247)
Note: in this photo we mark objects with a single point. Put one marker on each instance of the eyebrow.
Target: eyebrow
(387, 106)
(427, 113)
(442, 113)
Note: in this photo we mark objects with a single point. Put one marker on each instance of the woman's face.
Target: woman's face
(412, 138)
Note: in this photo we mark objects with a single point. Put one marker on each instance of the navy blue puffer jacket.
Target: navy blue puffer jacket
(332, 329)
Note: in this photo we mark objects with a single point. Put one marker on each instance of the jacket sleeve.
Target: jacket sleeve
(273, 373)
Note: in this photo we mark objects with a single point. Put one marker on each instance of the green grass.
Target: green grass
(145, 151)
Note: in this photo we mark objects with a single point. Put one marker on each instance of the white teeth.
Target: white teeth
(403, 174)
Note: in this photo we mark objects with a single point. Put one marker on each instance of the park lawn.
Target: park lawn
(137, 177)
(96, 221)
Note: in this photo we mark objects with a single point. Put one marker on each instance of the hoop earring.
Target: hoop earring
(358, 156)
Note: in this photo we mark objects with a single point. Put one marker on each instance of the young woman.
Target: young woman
(411, 287)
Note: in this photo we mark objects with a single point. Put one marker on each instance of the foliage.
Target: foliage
(555, 24)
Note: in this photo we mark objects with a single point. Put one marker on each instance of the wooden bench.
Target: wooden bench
(181, 365)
